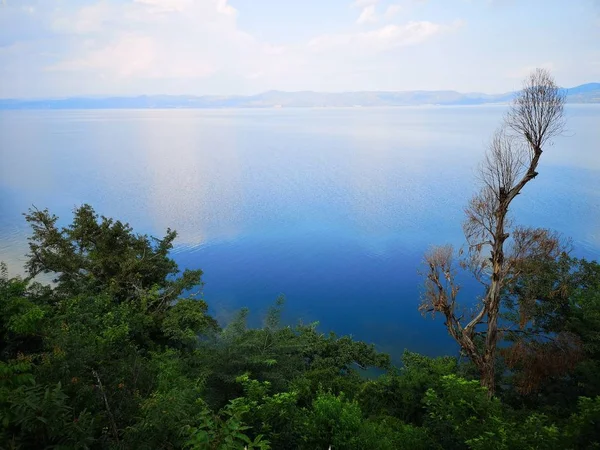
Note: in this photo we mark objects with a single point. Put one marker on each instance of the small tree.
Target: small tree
(97, 254)
(534, 117)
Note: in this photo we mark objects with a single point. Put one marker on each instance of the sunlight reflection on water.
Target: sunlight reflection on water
(333, 207)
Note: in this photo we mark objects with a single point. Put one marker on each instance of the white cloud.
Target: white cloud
(522, 72)
(198, 40)
(367, 15)
(382, 39)
(130, 47)
(165, 5)
(224, 8)
(89, 19)
(128, 56)
(154, 38)
(391, 11)
(363, 3)
(188, 46)
(137, 56)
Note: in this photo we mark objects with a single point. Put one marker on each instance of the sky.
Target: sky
(61, 48)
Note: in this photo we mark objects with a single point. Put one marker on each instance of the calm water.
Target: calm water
(331, 207)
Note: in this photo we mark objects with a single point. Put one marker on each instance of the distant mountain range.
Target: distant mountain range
(586, 93)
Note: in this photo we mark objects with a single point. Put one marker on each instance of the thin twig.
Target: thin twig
(110, 415)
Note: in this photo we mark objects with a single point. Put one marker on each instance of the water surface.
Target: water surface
(332, 207)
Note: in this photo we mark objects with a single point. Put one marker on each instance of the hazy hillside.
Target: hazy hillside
(585, 93)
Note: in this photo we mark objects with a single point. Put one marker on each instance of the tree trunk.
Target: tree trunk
(488, 372)
(535, 115)
(488, 375)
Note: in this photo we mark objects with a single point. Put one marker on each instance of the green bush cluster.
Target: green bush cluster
(121, 353)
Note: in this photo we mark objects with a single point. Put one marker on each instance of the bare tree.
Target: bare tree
(534, 117)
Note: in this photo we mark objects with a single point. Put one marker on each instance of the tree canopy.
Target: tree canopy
(120, 352)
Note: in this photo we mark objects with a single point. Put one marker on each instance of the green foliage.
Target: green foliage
(21, 315)
(400, 394)
(301, 355)
(388, 433)
(116, 354)
(186, 321)
(14, 375)
(533, 433)
(170, 408)
(556, 352)
(584, 308)
(225, 430)
(275, 415)
(583, 427)
(34, 416)
(333, 420)
(459, 410)
(97, 254)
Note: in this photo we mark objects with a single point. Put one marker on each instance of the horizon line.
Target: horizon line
(109, 96)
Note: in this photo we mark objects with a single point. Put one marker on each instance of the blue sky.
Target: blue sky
(56, 48)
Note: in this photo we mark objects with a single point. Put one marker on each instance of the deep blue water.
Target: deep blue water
(332, 207)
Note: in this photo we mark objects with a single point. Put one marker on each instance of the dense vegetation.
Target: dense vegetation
(119, 352)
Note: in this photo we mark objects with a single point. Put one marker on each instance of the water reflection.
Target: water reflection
(193, 177)
(334, 208)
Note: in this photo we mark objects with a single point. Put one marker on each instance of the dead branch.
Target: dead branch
(535, 116)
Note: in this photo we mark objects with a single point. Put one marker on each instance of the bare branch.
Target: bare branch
(537, 113)
(535, 116)
(542, 359)
(504, 164)
(440, 287)
(534, 244)
(481, 218)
